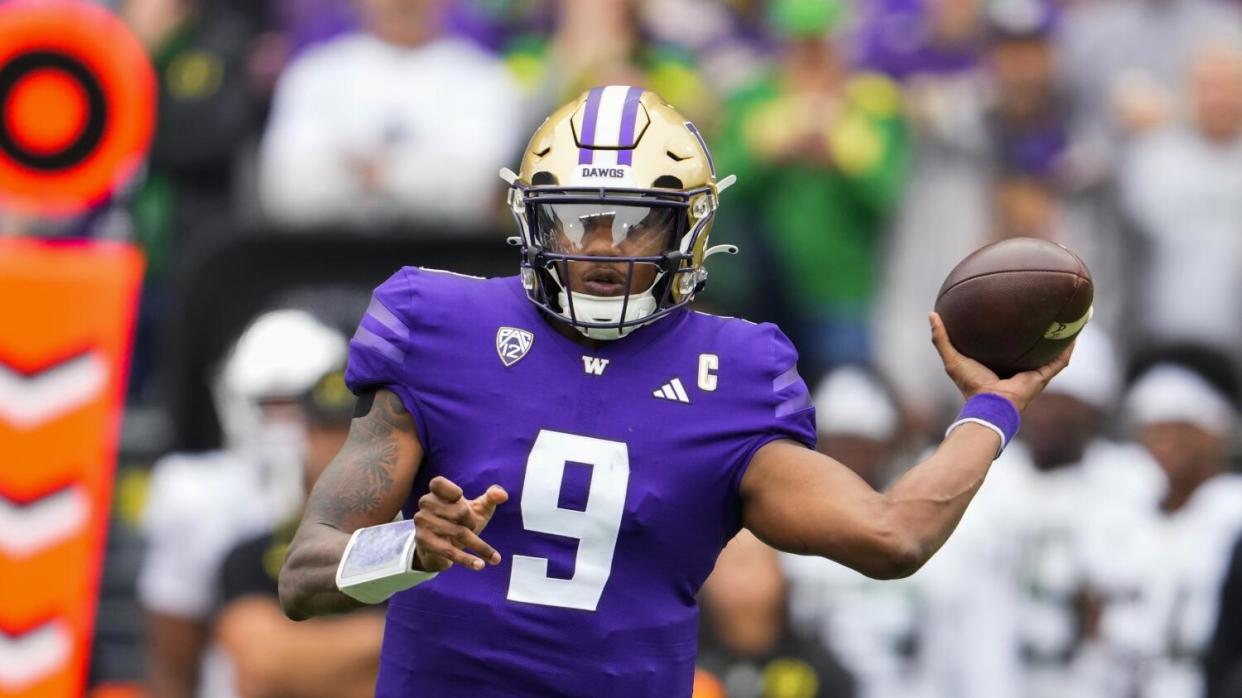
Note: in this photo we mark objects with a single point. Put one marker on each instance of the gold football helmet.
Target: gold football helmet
(619, 177)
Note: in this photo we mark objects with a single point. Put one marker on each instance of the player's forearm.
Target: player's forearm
(308, 578)
(364, 485)
(927, 503)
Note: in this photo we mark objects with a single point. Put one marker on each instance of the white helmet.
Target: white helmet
(279, 357)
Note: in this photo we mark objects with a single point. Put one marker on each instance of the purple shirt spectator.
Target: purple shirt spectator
(308, 22)
(896, 37)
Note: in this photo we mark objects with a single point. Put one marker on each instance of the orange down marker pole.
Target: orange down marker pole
(66, 319)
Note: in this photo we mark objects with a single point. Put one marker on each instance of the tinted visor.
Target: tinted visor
(602, 228)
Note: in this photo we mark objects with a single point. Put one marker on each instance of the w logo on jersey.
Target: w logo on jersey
(594, 366)
(512, 344)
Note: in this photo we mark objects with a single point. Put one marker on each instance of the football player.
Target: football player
(334, 657)
(575, 445)
(1159, 567)
(1067, 483)
(256, 476)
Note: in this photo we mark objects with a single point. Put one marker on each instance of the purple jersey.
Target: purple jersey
(622, 465)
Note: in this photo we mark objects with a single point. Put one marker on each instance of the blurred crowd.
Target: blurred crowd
(876, 143)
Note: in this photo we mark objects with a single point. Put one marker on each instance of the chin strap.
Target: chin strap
(607, 309)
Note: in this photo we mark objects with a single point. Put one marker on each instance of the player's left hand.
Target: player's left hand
(447, 524)
(972, 377)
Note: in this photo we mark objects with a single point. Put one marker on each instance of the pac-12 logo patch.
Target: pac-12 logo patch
(512, 343)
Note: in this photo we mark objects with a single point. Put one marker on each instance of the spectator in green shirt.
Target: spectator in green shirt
(820, 154)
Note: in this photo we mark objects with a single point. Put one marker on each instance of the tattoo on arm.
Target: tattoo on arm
(361, 475)
(365, 496)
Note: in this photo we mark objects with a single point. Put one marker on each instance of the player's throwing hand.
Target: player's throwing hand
(447, 525)
(972, 377)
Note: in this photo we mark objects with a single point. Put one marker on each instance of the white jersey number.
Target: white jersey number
(595, 527)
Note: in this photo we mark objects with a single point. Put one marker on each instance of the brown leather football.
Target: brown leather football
(1015, 305)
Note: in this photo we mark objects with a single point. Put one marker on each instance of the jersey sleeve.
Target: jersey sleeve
(380, 347)
(784, 409)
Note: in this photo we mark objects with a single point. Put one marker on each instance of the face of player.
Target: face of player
(281, 434)
(1187, 453)
(1057, 429)
(608, 231)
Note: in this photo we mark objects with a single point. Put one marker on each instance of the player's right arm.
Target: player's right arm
(365, 485)
(801, 501)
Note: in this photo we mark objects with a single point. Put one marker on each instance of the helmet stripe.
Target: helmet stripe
(629, 115)
(589, 117)
(608, 125)
(609, 121)
(711, 164)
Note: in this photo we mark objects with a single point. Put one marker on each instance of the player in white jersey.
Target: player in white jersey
(1160, 569)
(871, 626)
(1064, 475)
(200, 505)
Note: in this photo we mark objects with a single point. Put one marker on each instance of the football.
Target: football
(1016, 304)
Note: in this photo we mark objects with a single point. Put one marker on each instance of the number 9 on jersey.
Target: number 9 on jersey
(596, 526)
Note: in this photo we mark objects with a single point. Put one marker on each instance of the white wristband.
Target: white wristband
(378, 562)
(982, 423)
